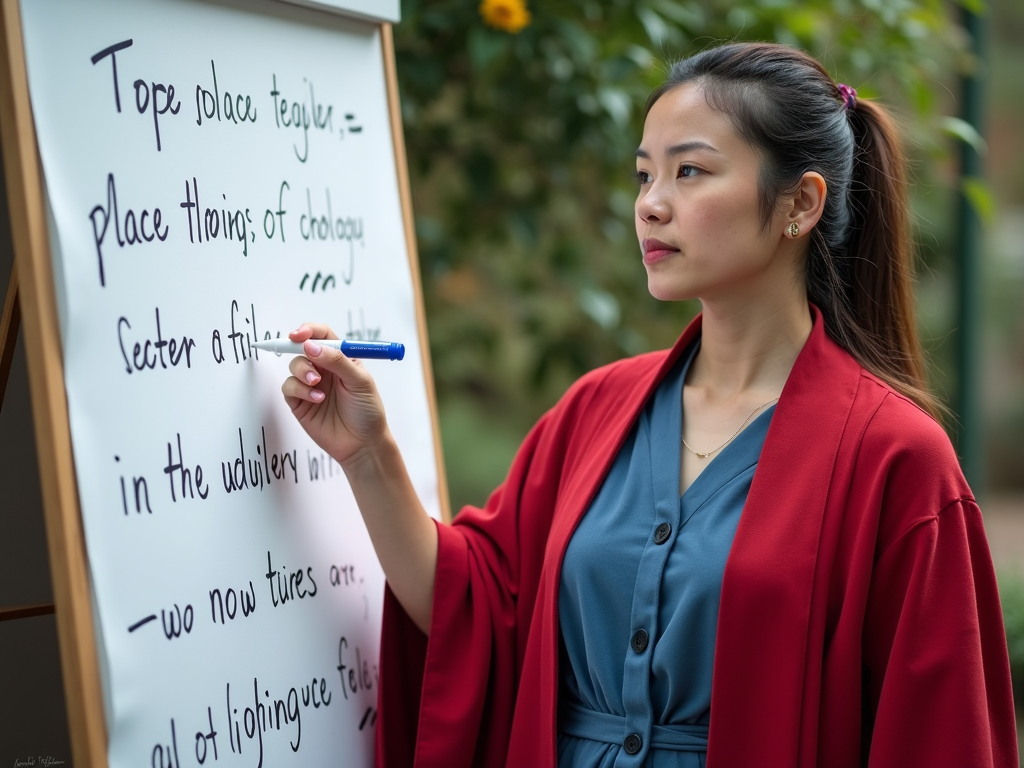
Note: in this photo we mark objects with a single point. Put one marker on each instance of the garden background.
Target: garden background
(521, 123)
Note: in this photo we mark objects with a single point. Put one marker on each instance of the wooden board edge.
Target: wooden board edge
(64, 532)
(10, 322)
(405, 194)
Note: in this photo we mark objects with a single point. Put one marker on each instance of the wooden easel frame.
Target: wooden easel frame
(10, 321)
(31, 298)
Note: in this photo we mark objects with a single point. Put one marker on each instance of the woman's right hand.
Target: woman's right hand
(333, 397)
(336, 402)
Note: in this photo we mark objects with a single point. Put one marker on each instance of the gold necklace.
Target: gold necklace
(700, 455)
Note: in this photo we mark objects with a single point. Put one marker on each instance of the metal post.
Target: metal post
(968, 267)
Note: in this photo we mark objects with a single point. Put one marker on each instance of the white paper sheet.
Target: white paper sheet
(294, 682)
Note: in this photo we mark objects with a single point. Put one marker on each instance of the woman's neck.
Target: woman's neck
(749, 347)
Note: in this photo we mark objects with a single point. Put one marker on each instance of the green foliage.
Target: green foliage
(1011, 596)
(979, 195)
(521, 157)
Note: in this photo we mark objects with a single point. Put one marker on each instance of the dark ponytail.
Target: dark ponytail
(880, 305)
(859, 267)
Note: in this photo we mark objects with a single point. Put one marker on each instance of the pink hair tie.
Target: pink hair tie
(849, 95)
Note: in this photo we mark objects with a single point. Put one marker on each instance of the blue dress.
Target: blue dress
(638, 602)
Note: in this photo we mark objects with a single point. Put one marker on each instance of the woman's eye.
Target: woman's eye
(686, 171)
(642, 177)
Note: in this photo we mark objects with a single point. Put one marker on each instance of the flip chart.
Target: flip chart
(216, 173)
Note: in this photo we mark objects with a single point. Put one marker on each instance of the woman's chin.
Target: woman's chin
(669, 290)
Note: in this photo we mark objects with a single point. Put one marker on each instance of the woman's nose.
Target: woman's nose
(652, 207)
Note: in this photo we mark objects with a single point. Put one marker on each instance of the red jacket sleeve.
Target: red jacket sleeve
(448, 700)
(935, 649)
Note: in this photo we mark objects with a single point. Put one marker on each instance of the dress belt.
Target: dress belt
(600, 726)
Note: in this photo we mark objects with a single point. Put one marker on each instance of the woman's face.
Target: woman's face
(698, 216)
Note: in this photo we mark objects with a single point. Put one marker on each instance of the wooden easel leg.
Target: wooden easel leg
(10, 321)
(26, 611)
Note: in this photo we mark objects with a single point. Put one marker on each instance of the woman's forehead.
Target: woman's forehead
(683, 119)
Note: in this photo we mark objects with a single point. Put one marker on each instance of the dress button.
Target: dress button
(639, 641)
(662, 532)
(632, 744)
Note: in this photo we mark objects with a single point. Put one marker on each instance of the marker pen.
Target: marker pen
(372, 350)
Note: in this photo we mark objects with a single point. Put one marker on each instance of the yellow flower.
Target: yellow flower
(509, 15)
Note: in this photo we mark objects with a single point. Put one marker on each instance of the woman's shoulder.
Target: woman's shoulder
(908, 452)
(600, 398)
(627, 377)
(626, 369)
(901, 424)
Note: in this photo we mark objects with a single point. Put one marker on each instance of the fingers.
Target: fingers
(303, 370)
(296, 392)
(353, 377)
(312, 331)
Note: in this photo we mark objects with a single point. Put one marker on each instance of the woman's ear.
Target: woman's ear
(805, 205)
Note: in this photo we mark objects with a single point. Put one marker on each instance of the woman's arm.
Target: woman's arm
(336, 402)
(938, 679)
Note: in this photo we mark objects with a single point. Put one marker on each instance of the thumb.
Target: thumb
(353, 377)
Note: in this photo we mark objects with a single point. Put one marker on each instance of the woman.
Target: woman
(849, 615)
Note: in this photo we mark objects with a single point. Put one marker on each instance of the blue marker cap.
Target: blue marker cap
(373, 350)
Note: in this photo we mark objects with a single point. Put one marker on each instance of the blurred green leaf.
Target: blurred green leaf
(961, 129)
(617, 103)
(979, 7)
(980, 196)
(656, 27)
(601, 306)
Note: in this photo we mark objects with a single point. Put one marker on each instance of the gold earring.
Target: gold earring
(793, 229)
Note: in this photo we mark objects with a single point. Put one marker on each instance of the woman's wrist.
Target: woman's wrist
(373, 460)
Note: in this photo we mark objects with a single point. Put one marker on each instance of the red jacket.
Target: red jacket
(859, 618)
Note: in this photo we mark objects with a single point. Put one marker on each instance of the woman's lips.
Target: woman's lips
(656, 250)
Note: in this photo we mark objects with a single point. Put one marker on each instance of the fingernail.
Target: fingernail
(312, 378)
(317, 395)
(312, 348)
